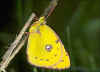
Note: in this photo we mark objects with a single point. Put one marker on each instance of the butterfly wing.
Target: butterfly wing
(45, 49)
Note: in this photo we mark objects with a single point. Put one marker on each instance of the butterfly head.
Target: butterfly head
(41, 19)
(37, 24)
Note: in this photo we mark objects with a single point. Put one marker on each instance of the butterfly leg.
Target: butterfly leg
(27, 33)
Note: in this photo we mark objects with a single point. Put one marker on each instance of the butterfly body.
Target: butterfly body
(45, 48)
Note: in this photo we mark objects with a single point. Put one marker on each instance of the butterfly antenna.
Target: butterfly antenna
(50, 8)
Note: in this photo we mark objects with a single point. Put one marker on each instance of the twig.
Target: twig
(6, 58)
(13, 54)
(18, 38)
(16, 51)
(52, 5)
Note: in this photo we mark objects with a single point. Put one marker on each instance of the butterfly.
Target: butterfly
(45, 48)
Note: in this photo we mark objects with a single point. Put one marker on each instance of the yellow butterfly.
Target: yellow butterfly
(45, 48)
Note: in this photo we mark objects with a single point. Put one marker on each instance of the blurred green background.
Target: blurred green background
(77, 22)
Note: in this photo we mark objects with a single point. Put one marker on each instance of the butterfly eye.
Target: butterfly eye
(48, 48)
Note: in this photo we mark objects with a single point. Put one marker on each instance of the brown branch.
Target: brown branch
(11, 52)
(18, 38)
(16, 51)
(52, 5)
